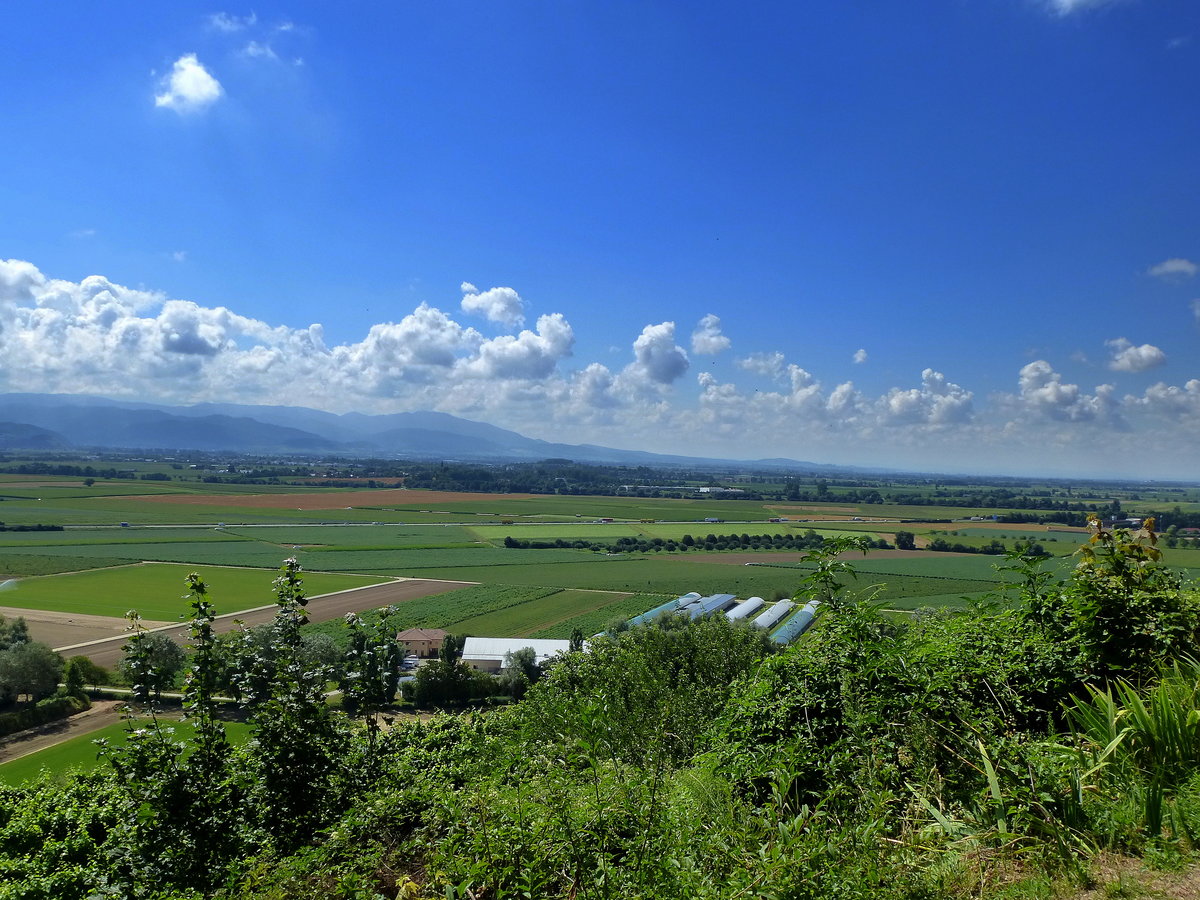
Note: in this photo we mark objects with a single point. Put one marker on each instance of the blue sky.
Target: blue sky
(960, 235)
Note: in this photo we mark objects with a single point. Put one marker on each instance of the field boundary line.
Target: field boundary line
(128, 565)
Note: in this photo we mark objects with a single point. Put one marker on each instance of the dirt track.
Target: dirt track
(102, 713)
(107, 652)
(59, 629)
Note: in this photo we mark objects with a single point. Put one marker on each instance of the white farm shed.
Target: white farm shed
(487, 654)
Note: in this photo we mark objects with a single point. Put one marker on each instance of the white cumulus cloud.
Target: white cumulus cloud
(936, 402)
(95, 336)
(229, 23)
(1067, 7)
(771, 364)
(707, 339)
(1044, 393)
(499, 304)
(1174, 269)
(189, 87)
(860, 356)
(657, 358)
(258, 50)
(1129, 358)
(528, 355)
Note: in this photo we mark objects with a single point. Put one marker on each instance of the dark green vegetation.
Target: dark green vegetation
(990, 751)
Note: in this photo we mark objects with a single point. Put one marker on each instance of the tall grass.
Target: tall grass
(1141, 747)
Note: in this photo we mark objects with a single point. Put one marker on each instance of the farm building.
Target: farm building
(745, 608)
(422, 642)
(487, 654)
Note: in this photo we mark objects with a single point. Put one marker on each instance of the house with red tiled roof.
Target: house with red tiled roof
(422, 642)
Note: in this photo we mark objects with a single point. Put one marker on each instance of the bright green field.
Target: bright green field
(157, 591)
(79, 754)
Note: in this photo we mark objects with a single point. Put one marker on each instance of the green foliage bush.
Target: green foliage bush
(44, 711)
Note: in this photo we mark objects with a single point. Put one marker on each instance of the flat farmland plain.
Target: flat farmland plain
(388, 532)
(334, 499)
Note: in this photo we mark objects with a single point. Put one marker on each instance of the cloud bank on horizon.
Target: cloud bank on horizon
(94, 336)
(844, 238)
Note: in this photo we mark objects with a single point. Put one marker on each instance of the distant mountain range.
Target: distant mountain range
(79, 422)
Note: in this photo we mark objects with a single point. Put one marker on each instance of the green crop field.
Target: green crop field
(24, 564)
(950, 601)
(634, 508)
(76, 488)
(80, 754)
(659, 574)
(218, 553)
(157, 591)
(537, 615)
(372, 537)
(591, 531)
(78, 537)
(445, 610)
(594, 621)
(1024, 533)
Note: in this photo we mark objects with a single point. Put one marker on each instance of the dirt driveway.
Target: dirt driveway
(101, 714)
(60, 629)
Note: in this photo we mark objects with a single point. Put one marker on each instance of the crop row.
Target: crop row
(27, 564)
(594, 620)
(444, 610)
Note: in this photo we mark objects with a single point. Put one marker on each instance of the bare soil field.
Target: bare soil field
(60, 629)
(101, 714)
(333, 500)
(107, 652)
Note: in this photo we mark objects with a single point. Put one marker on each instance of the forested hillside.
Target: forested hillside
(997, 751)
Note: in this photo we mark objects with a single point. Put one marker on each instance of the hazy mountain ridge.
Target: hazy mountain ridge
(60, 421)
(22, 436)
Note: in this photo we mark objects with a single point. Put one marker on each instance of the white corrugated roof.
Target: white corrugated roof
(494, 648)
